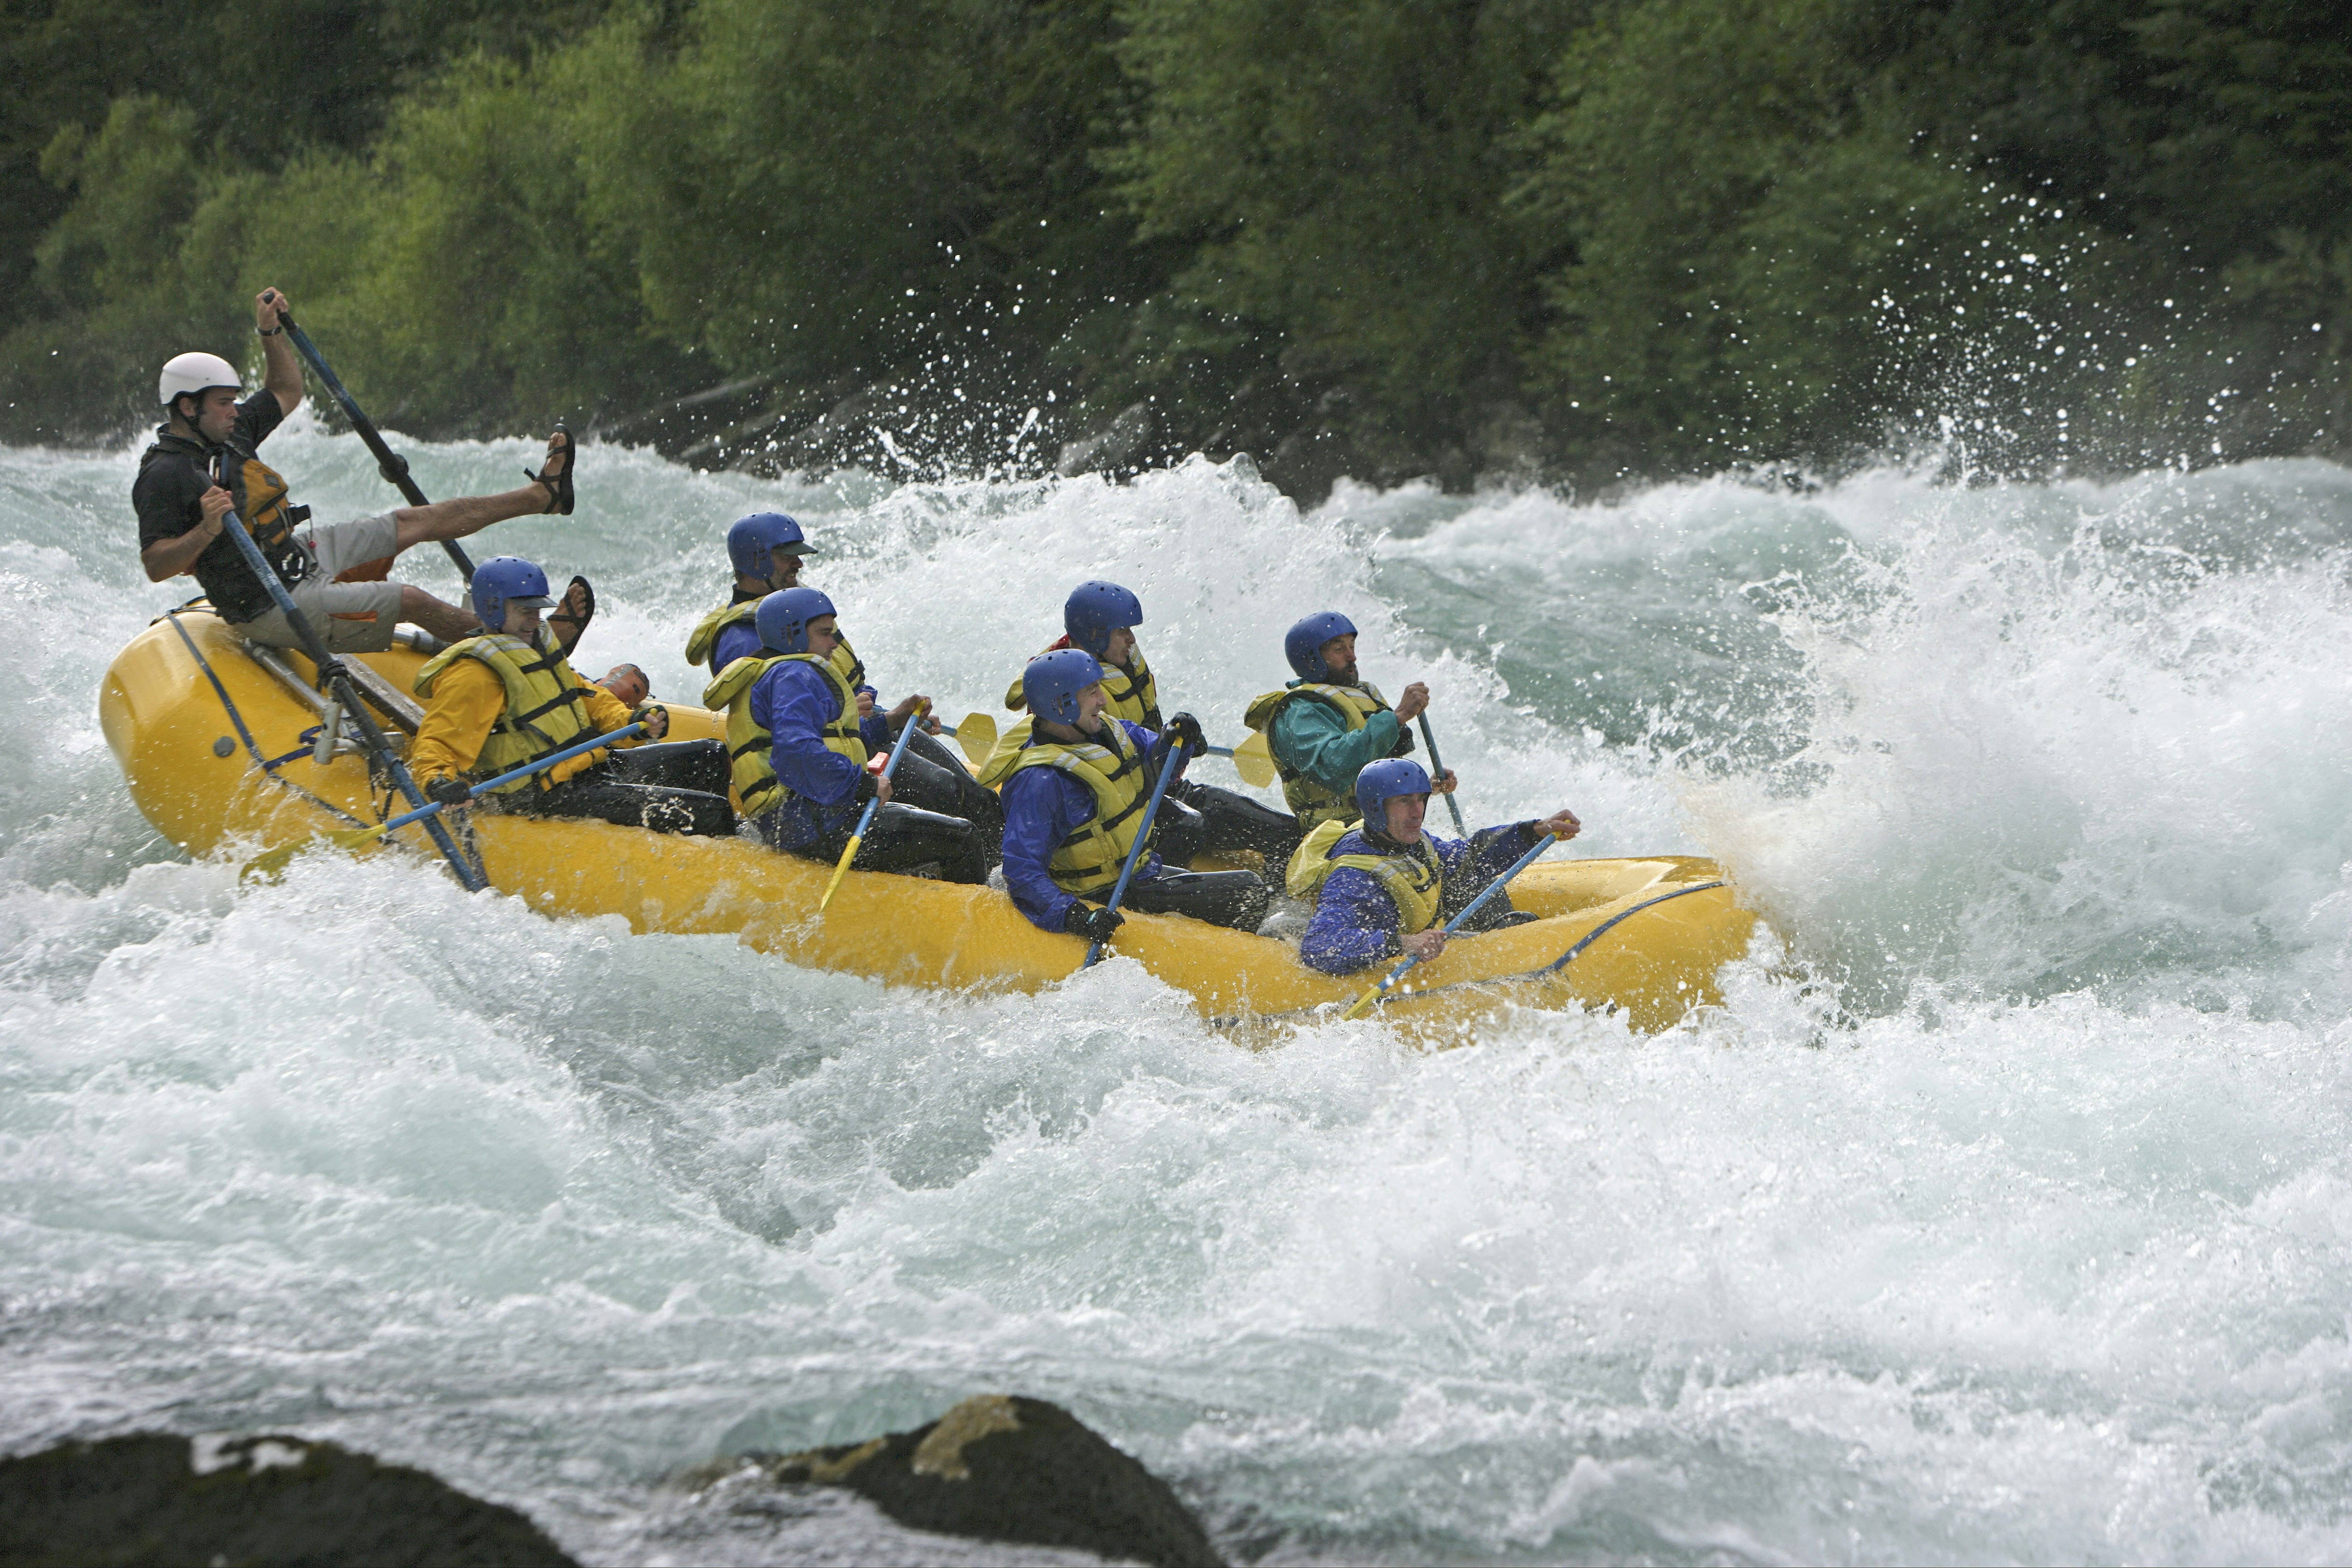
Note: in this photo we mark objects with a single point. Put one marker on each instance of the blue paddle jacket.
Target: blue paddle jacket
(1355, 922)
(741, 640)
(1042, 807)
(793, 703)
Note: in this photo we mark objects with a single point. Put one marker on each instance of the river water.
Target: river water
(2001, 1212)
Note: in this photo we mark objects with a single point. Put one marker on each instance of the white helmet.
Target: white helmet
(194, 373)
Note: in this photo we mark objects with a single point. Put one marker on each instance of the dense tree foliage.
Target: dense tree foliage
(1387, 236)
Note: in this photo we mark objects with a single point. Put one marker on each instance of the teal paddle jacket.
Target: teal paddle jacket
(1316, 742)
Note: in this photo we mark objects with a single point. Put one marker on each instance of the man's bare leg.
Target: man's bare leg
(471, 514)
(445, 621)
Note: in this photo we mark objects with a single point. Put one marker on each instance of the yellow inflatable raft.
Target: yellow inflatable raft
(218, 741)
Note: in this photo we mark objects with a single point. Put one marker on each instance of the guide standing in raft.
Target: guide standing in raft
(181, 510)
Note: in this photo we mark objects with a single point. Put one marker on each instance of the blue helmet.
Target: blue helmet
(751, 538)
(506, 580)
(783, 617)
(1053, 682)
(1381, 781)
(1303, 644)
(1095, 610)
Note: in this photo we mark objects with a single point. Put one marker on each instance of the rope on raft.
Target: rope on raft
(1554, 967)
(268, 765)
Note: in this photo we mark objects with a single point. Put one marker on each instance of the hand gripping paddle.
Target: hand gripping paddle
(1356, 1009)
(914, 722)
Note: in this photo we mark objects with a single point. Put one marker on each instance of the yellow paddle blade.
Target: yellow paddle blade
(839, 872)
(977, 735)
(1254, 761)
(270, 864)
(1356, 1008)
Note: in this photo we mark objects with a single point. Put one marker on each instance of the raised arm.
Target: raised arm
(282, 375)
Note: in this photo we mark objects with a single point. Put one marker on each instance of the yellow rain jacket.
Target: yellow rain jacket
(494, 702)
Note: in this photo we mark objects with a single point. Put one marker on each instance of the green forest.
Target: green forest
(1574, 239)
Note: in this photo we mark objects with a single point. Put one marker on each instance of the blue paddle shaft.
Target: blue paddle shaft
(1142, 837)
(524, 772)
(1470, 909)
(865, 819)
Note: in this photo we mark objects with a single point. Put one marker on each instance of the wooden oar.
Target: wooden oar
(1356, 1009)
(271, 862)
(1437, 771)
(1142, 838)
(914, 722)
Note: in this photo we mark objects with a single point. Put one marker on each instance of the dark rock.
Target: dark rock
(844, 433)
(676, 425)
(1003, 1468)
(1309, 461)
(1508, 444)
(256, 1500)
(1113, 447)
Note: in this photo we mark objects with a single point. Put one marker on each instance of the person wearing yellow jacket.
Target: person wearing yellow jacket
(496, 701)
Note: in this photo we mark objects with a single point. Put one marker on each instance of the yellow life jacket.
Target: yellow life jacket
(261, 506)
(700, 641)
(547, 704)
(1134, 697)
(1415, 882)
(1088, 860)
(1309, 800)
(703, 641)
(1000, 762)
(750, 747)
(1133, 694)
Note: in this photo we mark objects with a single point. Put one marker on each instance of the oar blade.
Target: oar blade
(977, 735)
(839, 871)
(270, 864)
(1356, 1009)
(1254, 761)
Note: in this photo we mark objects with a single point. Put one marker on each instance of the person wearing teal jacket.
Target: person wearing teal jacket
(1324, 726)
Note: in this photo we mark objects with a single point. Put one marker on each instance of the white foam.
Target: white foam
(2020, 1232)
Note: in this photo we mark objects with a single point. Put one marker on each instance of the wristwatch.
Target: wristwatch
(267, 331)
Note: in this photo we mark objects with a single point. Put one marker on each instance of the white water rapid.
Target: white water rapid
(2006, 1215)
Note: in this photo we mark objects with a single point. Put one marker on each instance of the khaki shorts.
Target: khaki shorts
(354, 617)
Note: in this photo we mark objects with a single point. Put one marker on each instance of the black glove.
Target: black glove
(449, 791)
(1181, 730)
(1093, 924)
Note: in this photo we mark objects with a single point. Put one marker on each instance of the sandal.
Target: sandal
(558, 486)
(562, 615)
